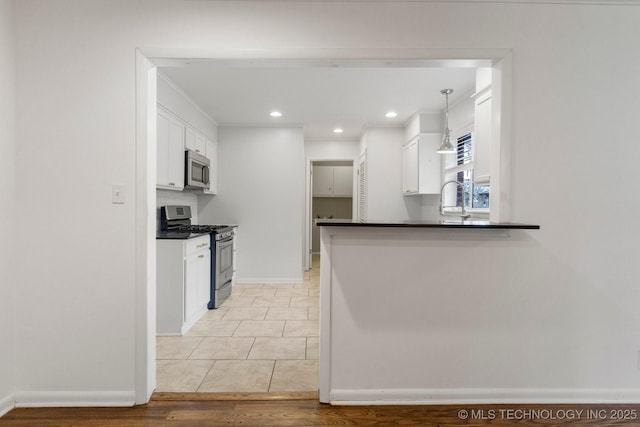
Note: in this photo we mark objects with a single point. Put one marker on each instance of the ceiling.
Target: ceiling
(320, 96)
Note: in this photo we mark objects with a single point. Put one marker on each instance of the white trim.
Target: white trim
(7, 403)
(299, 279)
(324, 359)
(166, 56)
(307, 220)
(502, 106)
(481, 396)
(571, 2)
(42, 399)
(145, 255)
(186, 97)
(482, 92)
(302, 56)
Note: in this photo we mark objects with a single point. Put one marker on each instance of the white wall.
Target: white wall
(385, 201)
(331, 150)
(7, 204)
(261, 188)
(76, 103)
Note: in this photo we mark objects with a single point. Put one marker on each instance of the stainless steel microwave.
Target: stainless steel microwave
(196, 171)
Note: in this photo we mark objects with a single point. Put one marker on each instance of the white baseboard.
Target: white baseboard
(7, 403)
(482, 396)
(270, 280)
(27, 399)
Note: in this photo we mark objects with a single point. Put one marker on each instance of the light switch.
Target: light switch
(117, 194)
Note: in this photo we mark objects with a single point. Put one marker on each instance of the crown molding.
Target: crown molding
(190, 100)
(577, 2)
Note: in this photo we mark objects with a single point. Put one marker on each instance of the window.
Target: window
(459, 167)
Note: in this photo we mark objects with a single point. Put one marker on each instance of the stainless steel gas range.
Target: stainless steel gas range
(175, 223)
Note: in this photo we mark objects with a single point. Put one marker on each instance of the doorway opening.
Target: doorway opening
(146, 67)
(332, 197)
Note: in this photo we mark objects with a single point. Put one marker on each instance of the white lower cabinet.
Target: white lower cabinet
(183, 283)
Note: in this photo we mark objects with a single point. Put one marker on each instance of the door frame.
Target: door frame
(146, 62)
(308, 220)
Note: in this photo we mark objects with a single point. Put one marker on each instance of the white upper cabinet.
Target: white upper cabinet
(322, 181)
(410, 167)
(343, 181)
(212, 155)
(170, 152)
(174, 136)
(195, 141)
(482, 139)
(332, 181)
(421, 165)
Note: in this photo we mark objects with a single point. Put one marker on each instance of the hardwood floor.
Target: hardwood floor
(274, 412)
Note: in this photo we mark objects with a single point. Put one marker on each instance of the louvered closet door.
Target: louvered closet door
(362, 187)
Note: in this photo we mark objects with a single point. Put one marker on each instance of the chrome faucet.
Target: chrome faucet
(463, 212)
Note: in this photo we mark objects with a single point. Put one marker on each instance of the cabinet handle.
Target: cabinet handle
(200, 256)
(197, 151)
(172, 184)
(202, 245)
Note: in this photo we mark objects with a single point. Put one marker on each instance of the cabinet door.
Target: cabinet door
(176, 154)
(410, 168)
(212, 155)
(343, 181)
(429, 163)
(162, 138)
(201, 144)
(204, 278)
(170, 152)
(190, 287)
(190, 139)
(322, 181)
(482, 140)
(195, 141)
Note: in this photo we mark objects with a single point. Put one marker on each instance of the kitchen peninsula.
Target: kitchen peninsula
(423, 312)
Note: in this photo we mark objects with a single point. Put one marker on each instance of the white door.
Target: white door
(362, 187)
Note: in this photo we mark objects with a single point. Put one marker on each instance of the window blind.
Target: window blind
(464, 150)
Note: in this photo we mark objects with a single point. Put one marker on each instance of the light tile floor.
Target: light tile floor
(264, 338)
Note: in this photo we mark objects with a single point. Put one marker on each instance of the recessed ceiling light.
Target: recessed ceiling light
(337, 130)
(391, 114)
(275, 114)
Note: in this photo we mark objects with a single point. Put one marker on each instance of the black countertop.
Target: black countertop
(177, 235)
(446, 223)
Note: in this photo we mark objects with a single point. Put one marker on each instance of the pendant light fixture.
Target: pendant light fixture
(446, 147)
